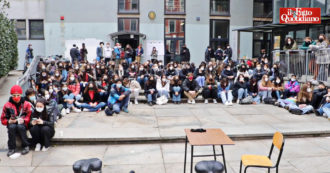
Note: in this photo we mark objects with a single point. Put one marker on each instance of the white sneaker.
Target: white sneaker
(230, 103)
(206, 101)
(63, 112)
(38, 147)
(237, 101)
(226, 103)
(136, 101)
(215, 101)
(77, 103)
(44, 149)
(68, 110)
(193, 101)
(86, 110)
(189, 101)
(76, 110)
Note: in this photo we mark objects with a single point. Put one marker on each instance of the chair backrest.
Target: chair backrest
(278, 140)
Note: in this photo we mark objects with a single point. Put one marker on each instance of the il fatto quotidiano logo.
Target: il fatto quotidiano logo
(300, 15)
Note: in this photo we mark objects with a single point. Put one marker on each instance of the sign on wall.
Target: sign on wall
(158, 44)
(300, 15)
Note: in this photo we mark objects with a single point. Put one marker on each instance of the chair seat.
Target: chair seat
(256, 160)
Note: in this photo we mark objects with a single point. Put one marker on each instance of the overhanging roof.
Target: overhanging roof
(115, 34)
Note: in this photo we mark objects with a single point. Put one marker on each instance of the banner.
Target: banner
(300, 15)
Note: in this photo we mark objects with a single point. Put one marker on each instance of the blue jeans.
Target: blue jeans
(142, 81)
(278, 94)
(304, 110)
(256, 99)
(129, 60)
(284, 103)
(265, 94)
(176, 98)
(325, 109)
(201, 81)
(119, 105)
(151, 97)
(92, 109)
(70, 96)
(163, 92)
(242, 93)
(226, 96)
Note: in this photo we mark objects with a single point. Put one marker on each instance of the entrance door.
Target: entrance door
(173, 49)
(126, 39)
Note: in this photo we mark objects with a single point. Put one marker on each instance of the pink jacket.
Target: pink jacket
(75, 88)
(292, 86)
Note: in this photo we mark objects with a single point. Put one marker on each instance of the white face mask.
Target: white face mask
(171, 68)
(65, 89)
(258, 68)
(293, 79)
(47, 96)
(39, 109)
(51, 90)
(278, 81)
(57, 74)
(72, 78)
(210, 69)
(164, 80)
(266, 79)
(309, 90)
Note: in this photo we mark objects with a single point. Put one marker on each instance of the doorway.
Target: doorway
(127, 39)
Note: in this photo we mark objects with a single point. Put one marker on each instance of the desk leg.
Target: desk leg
(224, 160)
(185, 156)
(192, 158)
(215, 157)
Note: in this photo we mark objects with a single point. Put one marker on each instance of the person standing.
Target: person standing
(107, 53)
(139, 53)
(117, 52)
(100, 52)
(83, 52)
(128, 54)
(219, 54)
(209, 54)
(154, 55)
(74, 52)
(228, 53)
(29, 54)
(16, 115)
(185, 54)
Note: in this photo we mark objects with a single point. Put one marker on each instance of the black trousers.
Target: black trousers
(209, 93)
(16, 130)
(42, 134)
(287, 94)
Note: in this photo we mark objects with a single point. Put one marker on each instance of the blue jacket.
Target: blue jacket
(99, 52)
(115, 93)
(117, 52)
(137, 51)
(220, 89)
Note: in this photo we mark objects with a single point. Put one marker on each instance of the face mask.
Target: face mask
(57, 75)
(210, 69)
(308, 42)
(90, 87)
(141, 69)
(32, 98)
(76, 68)
(164, 80)
(258, 68)
(321, 39)
(72, 78)
(17, 99)
(65, 89)
(39, 109)
(190, 78)
(278, 81)
(289, 42)
(43, 67)
(119, 85)
(97, 66)
(132, 66)
(293, 79)
(228, 69)
(43, 75)
(241, 79)
(309, 90)
(47, 96)
(171, 68)
(105, 78)
(266, 79)
(51, 90)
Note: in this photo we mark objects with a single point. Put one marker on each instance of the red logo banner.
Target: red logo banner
(300, 15)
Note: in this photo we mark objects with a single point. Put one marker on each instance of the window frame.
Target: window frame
(21, 20)
(222, 39)
(43, 29)
(135, 18)
(127, 12)
(226, 15)
(272, 2)
(176, 38)
(175, 13)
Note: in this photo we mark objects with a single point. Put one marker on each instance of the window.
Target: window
(128, 6)
(36, 29)
(260, 40)
(319, 4)
(263, 8)
(303, 3)
(20, 27)
(128, 25)
(276, 11)
(219, 33)
(219, 7)
(175, 6)
(174, 28)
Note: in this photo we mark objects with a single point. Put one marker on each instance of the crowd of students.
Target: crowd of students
(109, 83)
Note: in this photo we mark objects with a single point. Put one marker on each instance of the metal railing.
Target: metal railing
(306, 64)
(30, 75)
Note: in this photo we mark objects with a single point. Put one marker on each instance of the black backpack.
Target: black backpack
(269, 101)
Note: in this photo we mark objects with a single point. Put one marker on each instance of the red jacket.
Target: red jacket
(74, 88)
(10, 107)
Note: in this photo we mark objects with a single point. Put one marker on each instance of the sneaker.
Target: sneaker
(44, 149)
(77, 103)
(98, 110)
(277, 104)
(10, 152)
(38, 147)
(317, 113)
(238, 101)
(286, 107)
(215, 101)
(76, 110)
(150, 103)
(125, 110)
(67, 110)
(136, 101)
(85, 110)
(189, 101)
(226, 103)
(325, 115)
(296, 111)
(193, 101)
(206, 101)
(230, 103)
(25, 150)
(63, 112)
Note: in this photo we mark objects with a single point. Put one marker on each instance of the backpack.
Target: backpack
(247, 100)
(269, 100)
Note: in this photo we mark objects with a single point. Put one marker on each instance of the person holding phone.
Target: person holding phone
(16, 115)
(42, 126)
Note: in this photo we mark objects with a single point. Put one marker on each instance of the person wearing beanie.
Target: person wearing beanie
(16, 115)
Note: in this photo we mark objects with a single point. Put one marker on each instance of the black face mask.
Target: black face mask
(307, 43)
(321, 40)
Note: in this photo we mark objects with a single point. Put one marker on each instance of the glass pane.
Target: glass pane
(20, 27)
(303, 3)
(277, 5)
(36, 30)
(128, 25)
(174, 6)
(315, 31)
(300, 36)
(219, 7)
(174, 28)
(174, 46)
(219, 28)
(291, 3)
(128, 6)
(257, 48)
(320, 4)
(327, 31)
(262, 8)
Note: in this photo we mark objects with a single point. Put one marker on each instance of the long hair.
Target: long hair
(95, 89)
(264, 83)
(303, 95)
(43, 115)
(224, 83)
